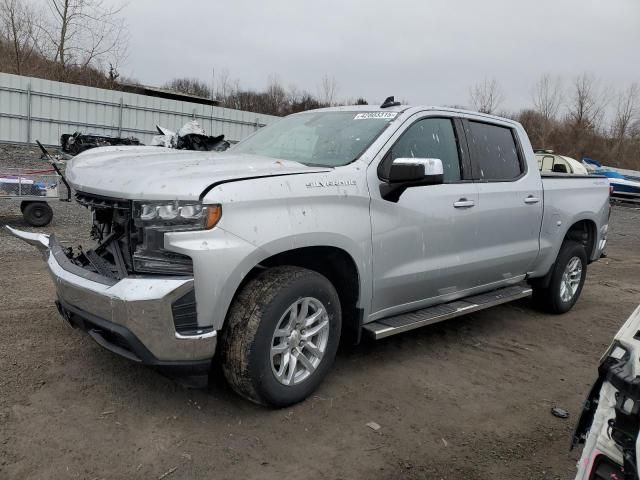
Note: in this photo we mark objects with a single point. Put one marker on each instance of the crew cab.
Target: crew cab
(329, 224)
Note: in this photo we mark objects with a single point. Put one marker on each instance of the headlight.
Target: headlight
(177, 215)
(153, 219)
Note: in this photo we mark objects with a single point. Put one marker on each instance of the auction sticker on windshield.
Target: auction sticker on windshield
(371, 115)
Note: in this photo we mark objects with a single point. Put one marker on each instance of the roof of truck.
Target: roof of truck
(410, 109)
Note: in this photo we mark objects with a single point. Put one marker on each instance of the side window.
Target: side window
(431, 138)
(496, 151)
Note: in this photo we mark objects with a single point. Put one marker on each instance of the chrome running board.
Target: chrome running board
(386, 327)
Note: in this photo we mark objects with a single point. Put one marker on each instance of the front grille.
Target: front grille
(123, 247)
(98, 201)
(184, 314)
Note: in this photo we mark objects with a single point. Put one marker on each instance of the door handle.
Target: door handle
(464, 203)
(531, 199)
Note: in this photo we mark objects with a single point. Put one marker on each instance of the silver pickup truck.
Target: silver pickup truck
(328, 224)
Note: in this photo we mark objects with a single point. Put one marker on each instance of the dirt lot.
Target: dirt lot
(467, 399)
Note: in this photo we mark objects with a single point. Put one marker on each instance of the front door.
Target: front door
(424, 241)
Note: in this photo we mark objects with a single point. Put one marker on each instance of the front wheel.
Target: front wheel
(281, 336)
(567, 279)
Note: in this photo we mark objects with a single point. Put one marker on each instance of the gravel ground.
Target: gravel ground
(469, 398)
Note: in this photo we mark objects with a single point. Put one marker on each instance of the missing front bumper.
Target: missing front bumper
(138, 309)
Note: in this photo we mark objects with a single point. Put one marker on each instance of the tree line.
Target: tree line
(75, 41)
(576, 117)
(85, 42)
(275, 99)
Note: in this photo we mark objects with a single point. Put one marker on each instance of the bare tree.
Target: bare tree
(275, 98)
(584, 119)
(189, 86)
(586, 103)
(17, 29)
(328, 90)
(486, 97)
(626, 110)
(547, 96)
(633, 161)
(223, 85)
(547, 100)
(625, 117)
(85, 32)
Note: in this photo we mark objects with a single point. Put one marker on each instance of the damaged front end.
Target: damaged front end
(133, 296)
(610, 421)
(129, 236)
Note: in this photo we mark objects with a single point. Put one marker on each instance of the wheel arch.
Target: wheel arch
(344, 267)
(582, 230)
(585, 232)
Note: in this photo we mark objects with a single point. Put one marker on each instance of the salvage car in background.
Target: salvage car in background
(336, 222)
(610, 421)
(78, 142)
(552, 163)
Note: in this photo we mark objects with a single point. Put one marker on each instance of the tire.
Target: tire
(559, 297)
(37, 214)
(249, 339)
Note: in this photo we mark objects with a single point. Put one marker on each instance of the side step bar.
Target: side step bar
(408, 321)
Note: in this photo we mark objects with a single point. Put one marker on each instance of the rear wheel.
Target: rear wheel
(37, 214)
(281, 336)
(567, 279)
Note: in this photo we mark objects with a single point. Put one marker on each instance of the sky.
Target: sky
(427, 52)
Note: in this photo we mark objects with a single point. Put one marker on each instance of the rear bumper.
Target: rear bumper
(132, 317)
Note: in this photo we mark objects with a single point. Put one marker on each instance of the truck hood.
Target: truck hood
(156, 173)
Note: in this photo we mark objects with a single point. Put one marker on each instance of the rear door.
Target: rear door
(509, 211)
(424, 240)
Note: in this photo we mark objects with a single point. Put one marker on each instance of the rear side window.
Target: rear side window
(496, 151)
(431, 138)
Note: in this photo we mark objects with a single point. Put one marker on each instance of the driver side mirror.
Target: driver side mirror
(416, 171)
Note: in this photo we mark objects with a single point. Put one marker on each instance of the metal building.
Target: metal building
(36, 109)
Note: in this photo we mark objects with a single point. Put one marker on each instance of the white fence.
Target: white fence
(35, 109)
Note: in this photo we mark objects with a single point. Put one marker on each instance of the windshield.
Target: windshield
(327, 139)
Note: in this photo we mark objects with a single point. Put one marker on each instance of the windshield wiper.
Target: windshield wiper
(322, 165)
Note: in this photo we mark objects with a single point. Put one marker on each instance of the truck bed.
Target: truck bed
(567, 199)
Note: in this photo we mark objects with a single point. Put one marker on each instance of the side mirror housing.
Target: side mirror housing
(410, 172)
(416, 171)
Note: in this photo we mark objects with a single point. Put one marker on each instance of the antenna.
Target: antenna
(389, 102)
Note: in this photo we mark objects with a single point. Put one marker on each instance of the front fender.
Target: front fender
(222, 260)
(263, 217)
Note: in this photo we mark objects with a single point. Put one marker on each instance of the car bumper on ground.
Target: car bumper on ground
(132, 317)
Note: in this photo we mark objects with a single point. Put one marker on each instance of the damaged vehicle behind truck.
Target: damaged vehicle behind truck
(328, 224)
(609, 425)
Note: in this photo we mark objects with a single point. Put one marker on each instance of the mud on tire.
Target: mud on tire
(248, 336)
